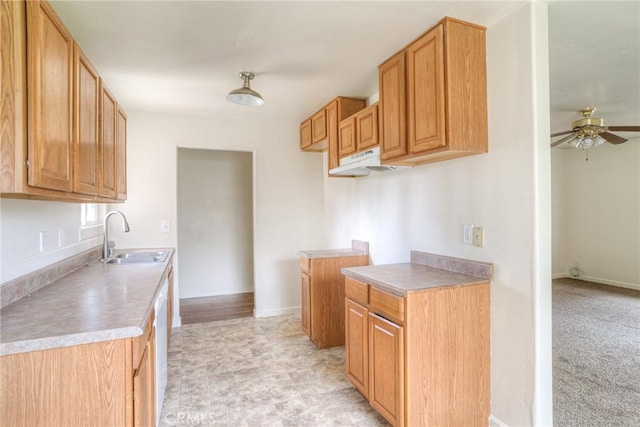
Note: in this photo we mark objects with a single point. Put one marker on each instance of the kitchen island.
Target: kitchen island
(417, 339)
(81, 350)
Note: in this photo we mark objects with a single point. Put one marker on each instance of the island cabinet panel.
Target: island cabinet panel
(323, 295)
(81, 379)
(50, 106)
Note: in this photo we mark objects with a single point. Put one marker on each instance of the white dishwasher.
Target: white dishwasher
(160, 324)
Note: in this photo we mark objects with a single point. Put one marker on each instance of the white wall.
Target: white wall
(288, 192)
(21, 222)
(596, 206)
(504, 191)
(215, 222)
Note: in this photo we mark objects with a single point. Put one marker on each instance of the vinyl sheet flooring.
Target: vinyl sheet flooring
(258, 372)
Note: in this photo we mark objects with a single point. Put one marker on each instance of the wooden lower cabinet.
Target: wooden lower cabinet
(322, 293)
(430, 365)
(357, 345)
(386, 368)
(306, 304)
(105, 383)
(144, 390)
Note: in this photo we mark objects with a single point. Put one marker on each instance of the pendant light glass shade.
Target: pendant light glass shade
(245, 95)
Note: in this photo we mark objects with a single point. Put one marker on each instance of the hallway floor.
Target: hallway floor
(258, 372)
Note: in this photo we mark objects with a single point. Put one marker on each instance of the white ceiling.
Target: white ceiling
(184, 56)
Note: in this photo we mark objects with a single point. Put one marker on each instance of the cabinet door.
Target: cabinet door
(357, 346)
(347, 137)
(386, 369)
(87, 99)
(305, 134)
(393, 104)
(121, 155)
(144, 394)
(169, 306)
(50, 103)
(425, 92)
(332, 134)
(107, 145)
(319, 126)
(367, 128)
(305, 292)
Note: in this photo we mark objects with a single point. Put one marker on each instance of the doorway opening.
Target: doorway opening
(215, 234)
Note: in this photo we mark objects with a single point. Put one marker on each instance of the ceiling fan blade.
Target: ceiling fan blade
(566, 132)
(624, 128)
(565, 139)
(614, 139)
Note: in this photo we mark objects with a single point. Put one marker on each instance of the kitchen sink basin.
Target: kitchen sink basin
(138, 257)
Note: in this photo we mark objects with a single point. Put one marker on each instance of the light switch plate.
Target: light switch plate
(165, 226)
(478, 236)
(467, 234)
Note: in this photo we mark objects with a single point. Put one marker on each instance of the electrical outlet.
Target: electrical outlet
(478, 236)
(43, 241)
(60, 237)
(467, 234)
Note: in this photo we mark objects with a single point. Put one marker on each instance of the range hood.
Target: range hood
(361, 164)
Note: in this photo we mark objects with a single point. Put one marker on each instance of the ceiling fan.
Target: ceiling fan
(589, 132)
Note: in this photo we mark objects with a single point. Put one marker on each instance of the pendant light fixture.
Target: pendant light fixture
(245, 95)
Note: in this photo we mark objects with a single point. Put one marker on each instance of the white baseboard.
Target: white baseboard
(600, 281)
(276, 311)
(495, 422)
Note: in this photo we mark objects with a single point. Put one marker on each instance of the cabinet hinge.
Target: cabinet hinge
(27, 162)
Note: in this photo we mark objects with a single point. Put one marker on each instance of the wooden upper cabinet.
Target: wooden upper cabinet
(319, 126)
(305, 134)
(367, 127)
(86, 100)
(425, 92)
(50, 99)
(347, 137)
(121, 155)
(320, 131)
(107, 164)
(393, 107)
(50, 121)
(433, 96)
(332, 133)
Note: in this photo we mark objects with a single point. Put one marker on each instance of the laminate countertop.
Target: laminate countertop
(97, 302)
(358, 248)
(425, 271)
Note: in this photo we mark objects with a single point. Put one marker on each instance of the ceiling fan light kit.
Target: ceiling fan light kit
(245, 95)
(589, 132)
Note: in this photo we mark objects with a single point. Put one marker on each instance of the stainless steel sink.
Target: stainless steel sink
(149, 257)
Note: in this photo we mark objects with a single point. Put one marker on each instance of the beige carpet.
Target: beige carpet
(596, 354)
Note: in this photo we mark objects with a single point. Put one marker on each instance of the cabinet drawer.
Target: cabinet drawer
(305, 264)
(387, 305)
(356, 291)
(140, 342)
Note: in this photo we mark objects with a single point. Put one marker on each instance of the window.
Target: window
(89, 214)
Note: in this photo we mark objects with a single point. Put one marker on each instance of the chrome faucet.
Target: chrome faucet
(108, 246)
